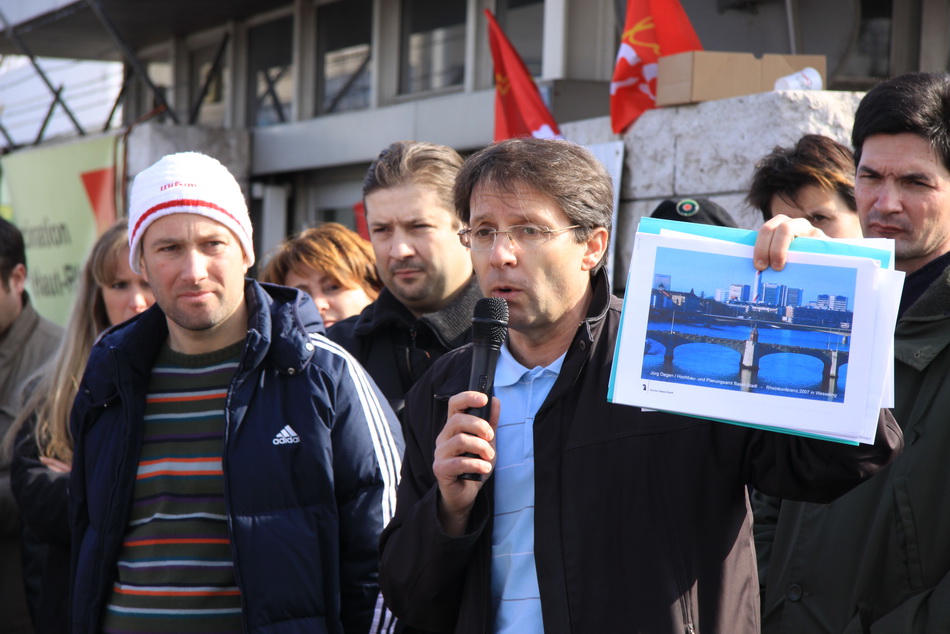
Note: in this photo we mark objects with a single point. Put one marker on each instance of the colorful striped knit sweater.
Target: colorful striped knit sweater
(176, 572)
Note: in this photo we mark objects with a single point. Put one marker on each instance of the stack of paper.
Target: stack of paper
(807, 350)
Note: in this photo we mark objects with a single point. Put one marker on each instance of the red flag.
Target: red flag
(359, 213)
(100, 189)
(519, 109)
(653, 28)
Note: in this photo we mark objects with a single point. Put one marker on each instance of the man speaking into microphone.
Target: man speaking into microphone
(589, 516)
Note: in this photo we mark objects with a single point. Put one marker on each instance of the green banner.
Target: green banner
(62, 197)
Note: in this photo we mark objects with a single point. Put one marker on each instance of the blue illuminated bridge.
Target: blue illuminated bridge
(751, 351)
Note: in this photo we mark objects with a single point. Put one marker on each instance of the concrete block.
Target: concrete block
(709, 150)
(718, 142)
(589, 131)
(151, 141)
(650, 145)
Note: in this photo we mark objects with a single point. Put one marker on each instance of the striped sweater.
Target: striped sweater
(175, 571)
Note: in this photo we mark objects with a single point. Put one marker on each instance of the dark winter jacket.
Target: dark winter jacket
(304, 518)
(41, 495)
(641, 518)
(27, 344)
(878, 559)
(396, 348)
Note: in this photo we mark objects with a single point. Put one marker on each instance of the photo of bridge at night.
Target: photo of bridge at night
(786, 334)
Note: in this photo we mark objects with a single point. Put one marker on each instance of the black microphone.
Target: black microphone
(489, 329)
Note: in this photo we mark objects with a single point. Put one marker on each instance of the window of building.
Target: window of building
(870, 54)
(270, 73)
(344, 33)
(208, 75)
(432, 45)
(142, 100)
(523, 22)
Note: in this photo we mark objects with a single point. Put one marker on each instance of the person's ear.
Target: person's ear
(596, 247)
(18, 278)
(142, 267)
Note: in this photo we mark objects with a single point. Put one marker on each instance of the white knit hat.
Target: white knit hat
(187, 183)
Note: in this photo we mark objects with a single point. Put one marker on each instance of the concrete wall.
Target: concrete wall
(151, 141)
(709, 150)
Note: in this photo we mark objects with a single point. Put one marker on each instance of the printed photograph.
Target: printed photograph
(713, 322)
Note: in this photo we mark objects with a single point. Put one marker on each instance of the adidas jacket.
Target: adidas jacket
(305, 513)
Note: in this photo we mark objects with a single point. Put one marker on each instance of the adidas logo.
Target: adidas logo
(286, 436)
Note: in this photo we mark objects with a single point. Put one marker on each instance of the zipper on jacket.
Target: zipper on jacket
(410, 376)
(227, 488)
(412, 347)
(118, 478)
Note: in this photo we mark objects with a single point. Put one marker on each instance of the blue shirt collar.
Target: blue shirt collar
(508, 371)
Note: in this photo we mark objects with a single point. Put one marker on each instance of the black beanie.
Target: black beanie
(701, 210)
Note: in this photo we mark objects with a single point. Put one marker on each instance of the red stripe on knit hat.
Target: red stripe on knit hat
(184, 202)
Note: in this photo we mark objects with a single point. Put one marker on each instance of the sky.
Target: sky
(89, 90)
(705, 272)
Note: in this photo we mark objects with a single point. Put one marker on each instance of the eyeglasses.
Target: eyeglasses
(525, 236)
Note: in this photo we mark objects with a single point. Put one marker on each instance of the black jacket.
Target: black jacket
(877, 559)
(396, 348)
(41, 496)
(641, 518)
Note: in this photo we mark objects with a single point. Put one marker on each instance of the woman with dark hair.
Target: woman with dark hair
(813, 180)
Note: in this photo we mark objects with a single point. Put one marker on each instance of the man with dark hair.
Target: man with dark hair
(27, 340)
(878, 558)
(812, 180)
(425, 309)
(589, 516)
(233, 467)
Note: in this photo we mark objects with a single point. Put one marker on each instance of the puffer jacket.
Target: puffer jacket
(304, 518)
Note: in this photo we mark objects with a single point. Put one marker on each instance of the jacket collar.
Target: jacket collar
(450, 325)
(923, 331)
(279, 322)
(600, 302)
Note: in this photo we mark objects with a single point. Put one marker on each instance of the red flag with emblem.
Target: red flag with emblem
(653, 28)
(519, 109)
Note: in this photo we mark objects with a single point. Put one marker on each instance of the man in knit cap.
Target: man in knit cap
(233, 468)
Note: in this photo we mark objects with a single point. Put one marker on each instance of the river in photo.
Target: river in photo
(714, 365)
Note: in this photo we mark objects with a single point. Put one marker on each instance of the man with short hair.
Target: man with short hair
(426, 307)
(878, 558)
(590, 516)
(27, 341)
(233, 467)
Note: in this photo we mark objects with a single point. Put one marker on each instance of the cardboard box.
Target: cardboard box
(706, 75)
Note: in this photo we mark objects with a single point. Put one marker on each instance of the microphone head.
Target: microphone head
(490, 321)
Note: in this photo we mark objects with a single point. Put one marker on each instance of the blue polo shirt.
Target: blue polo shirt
(514, 578)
